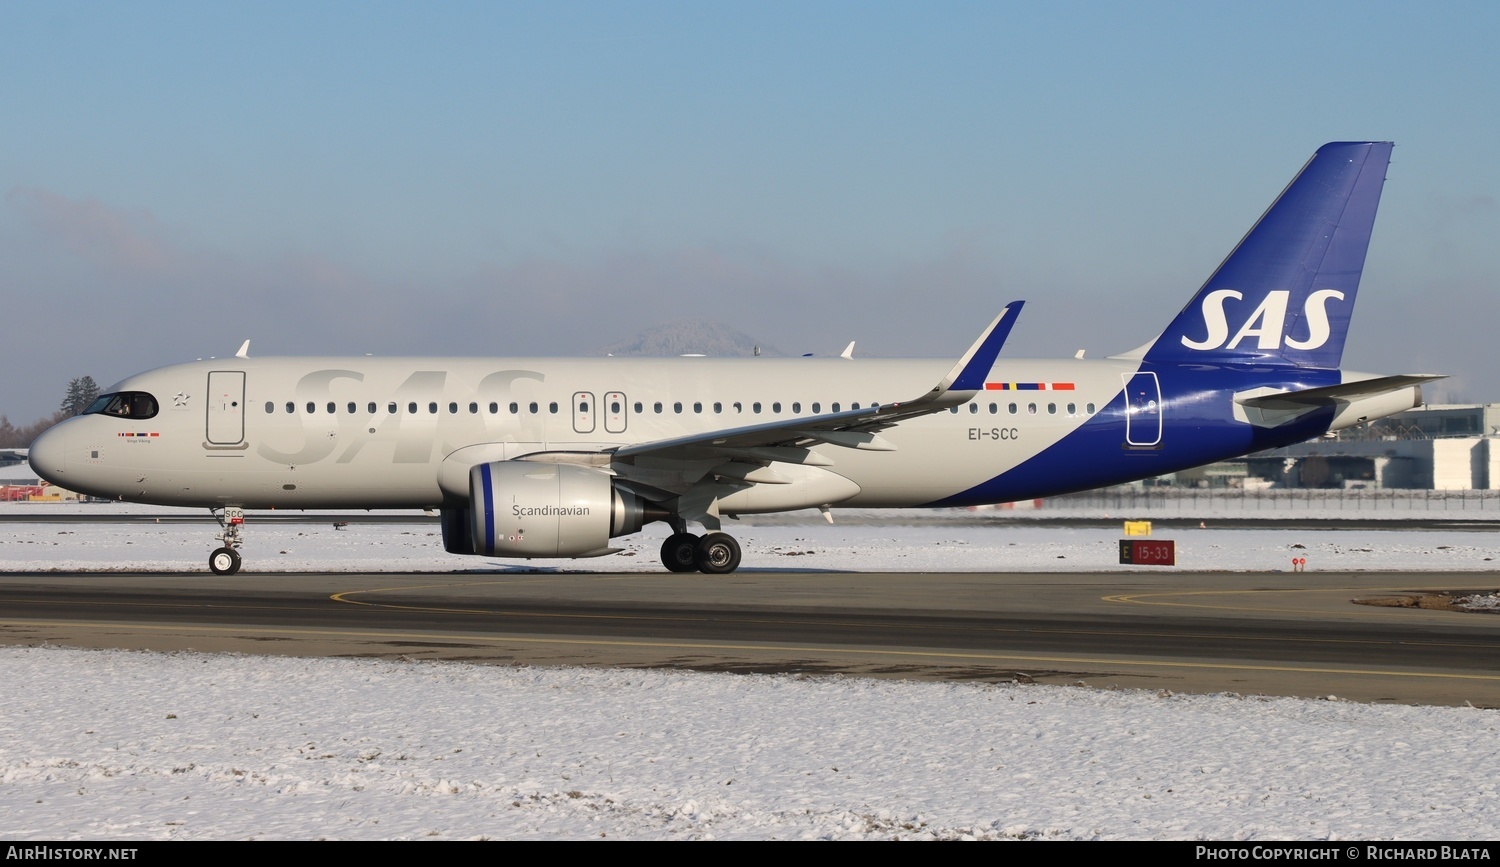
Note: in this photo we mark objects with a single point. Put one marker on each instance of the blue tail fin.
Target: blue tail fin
(1285, 295)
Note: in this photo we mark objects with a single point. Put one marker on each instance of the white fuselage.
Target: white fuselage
(369, 432)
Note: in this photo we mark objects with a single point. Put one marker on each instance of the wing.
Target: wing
(855, 428)
(705, 466)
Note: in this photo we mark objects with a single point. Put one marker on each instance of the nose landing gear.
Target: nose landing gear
(226, 560)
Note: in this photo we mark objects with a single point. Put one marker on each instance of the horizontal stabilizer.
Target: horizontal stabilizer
(1352, 403)
(1311, 397)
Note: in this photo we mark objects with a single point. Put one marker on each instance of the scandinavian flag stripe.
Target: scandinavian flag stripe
(1028, 386)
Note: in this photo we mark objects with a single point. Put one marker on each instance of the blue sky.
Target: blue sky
(547, 178)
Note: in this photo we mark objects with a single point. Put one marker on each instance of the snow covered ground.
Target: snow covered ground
(118, 745)
(895, 541)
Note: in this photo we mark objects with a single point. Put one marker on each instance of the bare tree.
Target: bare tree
(20, 437)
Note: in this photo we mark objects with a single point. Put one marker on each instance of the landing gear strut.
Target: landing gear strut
(713, 554)
(226, 560)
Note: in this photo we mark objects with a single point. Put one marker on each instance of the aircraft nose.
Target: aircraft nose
(48, 454)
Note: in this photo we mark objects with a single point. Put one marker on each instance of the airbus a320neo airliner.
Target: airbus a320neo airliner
(538, 457)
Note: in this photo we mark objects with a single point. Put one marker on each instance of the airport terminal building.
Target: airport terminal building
(1433, 447)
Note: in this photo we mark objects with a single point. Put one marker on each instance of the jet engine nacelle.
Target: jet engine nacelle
(530, 509)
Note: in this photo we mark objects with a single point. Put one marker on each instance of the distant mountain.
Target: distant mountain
(688, 337)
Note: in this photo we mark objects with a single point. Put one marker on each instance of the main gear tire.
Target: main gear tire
(718, 554)
(680, 552)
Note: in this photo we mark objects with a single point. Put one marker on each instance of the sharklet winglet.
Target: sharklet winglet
(971, 370)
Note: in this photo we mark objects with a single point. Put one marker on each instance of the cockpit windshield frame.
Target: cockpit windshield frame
(125, 404)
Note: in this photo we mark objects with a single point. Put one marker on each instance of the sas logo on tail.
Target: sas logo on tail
(1267, 324)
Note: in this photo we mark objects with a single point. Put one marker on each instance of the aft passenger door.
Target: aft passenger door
(1143, 411)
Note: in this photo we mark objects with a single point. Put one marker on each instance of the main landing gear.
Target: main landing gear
(714, 554)
(226, 560)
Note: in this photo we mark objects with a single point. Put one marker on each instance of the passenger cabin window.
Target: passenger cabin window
(270, 407)
(531, 407)
(125, 404)
(816, 408)
(333, 408)
(391, 407)
(432, 407)
(290, 407)
(552, 407)
(412, 407)
(453, 408)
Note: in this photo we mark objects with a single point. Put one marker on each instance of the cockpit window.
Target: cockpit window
(125, 404)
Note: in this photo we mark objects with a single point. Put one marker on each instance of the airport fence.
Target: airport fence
(1480, 503)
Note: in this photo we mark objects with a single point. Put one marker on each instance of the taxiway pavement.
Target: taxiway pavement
(1277, 634)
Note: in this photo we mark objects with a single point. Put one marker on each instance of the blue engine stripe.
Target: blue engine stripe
(489, 509)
